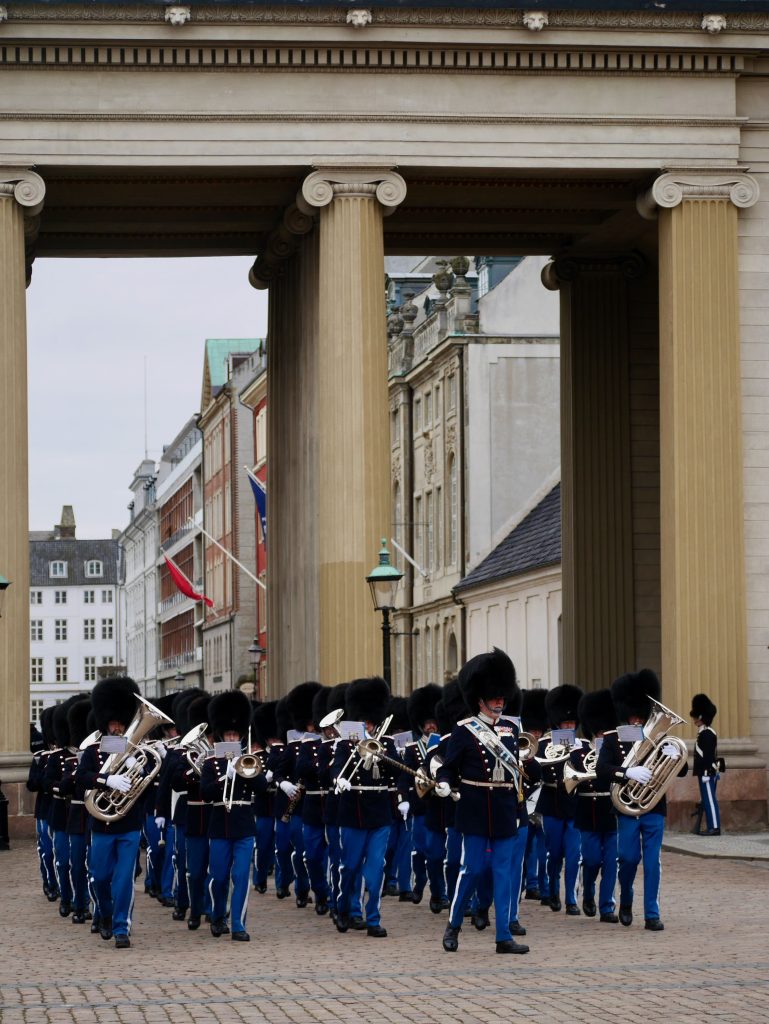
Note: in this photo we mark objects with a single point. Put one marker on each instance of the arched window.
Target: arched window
(453, 510)
(428, 653)
(397, 512)
(452, 658)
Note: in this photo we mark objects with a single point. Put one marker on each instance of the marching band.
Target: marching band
(479, 791)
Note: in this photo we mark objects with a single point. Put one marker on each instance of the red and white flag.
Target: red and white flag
(184, 584)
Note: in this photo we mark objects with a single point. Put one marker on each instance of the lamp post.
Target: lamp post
(4, 584)
(179, 679)
(256, 653)
(384, 580)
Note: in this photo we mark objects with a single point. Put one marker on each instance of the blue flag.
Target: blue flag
(261, 502)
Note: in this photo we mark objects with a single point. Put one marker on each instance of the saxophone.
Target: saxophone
(636, 798)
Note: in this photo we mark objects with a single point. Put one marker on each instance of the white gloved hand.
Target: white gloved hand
(231, 773)
(269, 775)
(119, 782)
(671, 750)
(160, 822)
(404, 807)
(131, 762)
(289, 789)
(443, 789)
(343, 785)
(639, 774)
(161, 749)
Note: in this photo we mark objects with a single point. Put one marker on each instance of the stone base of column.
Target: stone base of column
(14, 769)
(742, 792)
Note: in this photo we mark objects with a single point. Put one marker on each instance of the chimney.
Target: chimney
(65, 530)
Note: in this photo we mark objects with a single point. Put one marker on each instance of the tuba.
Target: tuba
(636, 798)
(112, 805)
(195, 747)
(573, 776)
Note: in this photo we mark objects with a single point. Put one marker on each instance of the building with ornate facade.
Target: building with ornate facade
(140, 545)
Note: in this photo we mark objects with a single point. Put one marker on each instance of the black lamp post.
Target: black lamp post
(256, 653)
(4, 584)
(384, 580)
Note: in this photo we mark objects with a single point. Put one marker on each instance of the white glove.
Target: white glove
(160, 822)
(161, 749)
(119, 782)
(404, 807)
(130, 762)
(443, 789)
(289, 789)
(269, 775)
(671, 751)
(639, 774)
(343, 785)
(231, 773)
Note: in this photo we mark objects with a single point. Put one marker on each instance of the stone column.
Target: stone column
(353, 496)
(21, 199)
(703, 561)
(598, 612)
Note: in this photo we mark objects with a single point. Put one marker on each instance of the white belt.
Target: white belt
(197, 803)
(490, 785)
(235, 803)
(370, 789)
(315, 792)
(593, 794)
(78, 802)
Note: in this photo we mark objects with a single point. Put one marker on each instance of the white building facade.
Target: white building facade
(140, 544)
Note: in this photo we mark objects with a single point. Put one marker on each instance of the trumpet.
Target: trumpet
(361, 757)
(248, 766)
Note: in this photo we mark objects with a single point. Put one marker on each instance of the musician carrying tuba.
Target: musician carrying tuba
(637, 763)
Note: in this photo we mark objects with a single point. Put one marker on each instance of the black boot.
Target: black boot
(179, 914)
(511, 946)
(481, 919)
(626, 914)
(105, 928)
(589, 908)
(342, 922)
(516, 928)
(698, 813)
(451, 939)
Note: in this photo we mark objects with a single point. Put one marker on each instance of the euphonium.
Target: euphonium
(573, 776)
(636, 798)
(112, 805)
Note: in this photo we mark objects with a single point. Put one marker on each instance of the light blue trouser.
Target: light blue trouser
(78, 868)
(152, 876)
(45, 853)
(61, 862)
(536, 860)
(599, 853)
(435, 847)
(316, 860)
(562, 844)
(264, 850)
(422, 865)
(453, 860)
(637, 838)
(230, 859)
(181, 895)
(167, 870)
(475, 853)
(519, 851)
(197, 874)
(363, 852)
(112, 864)
(398, 855)
(709, 801)
(289, 855)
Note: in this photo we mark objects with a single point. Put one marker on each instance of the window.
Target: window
(394, 427)
(57, 570)
(452, 385)
(438, 530)
(35, 710)
(418, 534)
(62, 675)
(429, 515)
(452, 510)
(89, 670)
(428, 408)
(106, 597)
(108, 660)
(60, 597)
(89, 597)
(417, 416)
(93, 567)
(261, 434)
(36, 670)
(89, 629)
(36, 629)
(106, 629)
(60, 629)
(36, 597)
(438, 415)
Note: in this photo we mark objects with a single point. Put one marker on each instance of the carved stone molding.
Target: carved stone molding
(359, 17)
(713, 23)
(280, 246)
(451, 437)
(328, 183)
(3, 13)
(176, 15)
(535, 21)
(568, 268)
(26, 187)
(429, 457)
(674, 187)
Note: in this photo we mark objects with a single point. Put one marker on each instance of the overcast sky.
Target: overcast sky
(90, 325)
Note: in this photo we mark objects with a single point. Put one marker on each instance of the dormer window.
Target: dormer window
(94, 568)
(57, 570)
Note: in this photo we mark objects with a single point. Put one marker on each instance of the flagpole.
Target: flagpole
(229, 554)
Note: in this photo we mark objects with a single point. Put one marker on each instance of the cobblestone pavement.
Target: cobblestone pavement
(730, 845)
(711, 962)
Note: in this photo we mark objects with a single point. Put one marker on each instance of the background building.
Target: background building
(140, 543)
(75, 613)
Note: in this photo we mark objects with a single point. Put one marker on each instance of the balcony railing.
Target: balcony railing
(177, 535)
(177, 660)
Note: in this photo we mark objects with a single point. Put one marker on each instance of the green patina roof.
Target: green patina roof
(217, 351)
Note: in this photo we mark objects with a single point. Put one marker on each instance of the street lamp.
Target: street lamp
(4, 584)
(180, 679)
(256, 653)
(384, 580)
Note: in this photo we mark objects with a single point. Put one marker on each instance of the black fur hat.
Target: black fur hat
(631, 694)
(319, 705)
(167, 704)
(91, 723)
(450, 708)
(335, 697)
(299, 704)
(114, 700)
(486, 676)
(703, 707)
(514, 705)
(398, 708)
(367, 700)
(421, 705)
(46, 726)
(196, 712)
(77, 720)
(596, 713)
(61, 721)
(533, 714)
(180, 704)
(263, 722)
(561, 704)
(282, 719)
(230, 711)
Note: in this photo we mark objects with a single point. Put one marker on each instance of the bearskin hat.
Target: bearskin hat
(335, 697)
(485, 676)
(180, 707)
(596, 713)
(561, 704)
(319, 711)
(703, 707)
(196, 712)
(91, 723)
(61, 721)
(631, 694)
(299, 704)
(167, 704)
(421, 705)
(77, 720)
(533, 714)
(46, 726)
(450, 708)
(264, 724)
(514, 705)
(114, 700)
(398, 708)
(367, 700)
(229, 711)
(282, 719)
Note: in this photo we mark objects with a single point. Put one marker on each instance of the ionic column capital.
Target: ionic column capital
(568, 268)
(25, 186)
(328, 183)
(673, 187)
(281, 245)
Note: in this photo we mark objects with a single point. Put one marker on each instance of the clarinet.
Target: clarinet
(293, 803)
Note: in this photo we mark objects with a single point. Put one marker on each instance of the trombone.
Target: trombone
(363, 757)
(248, 766)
